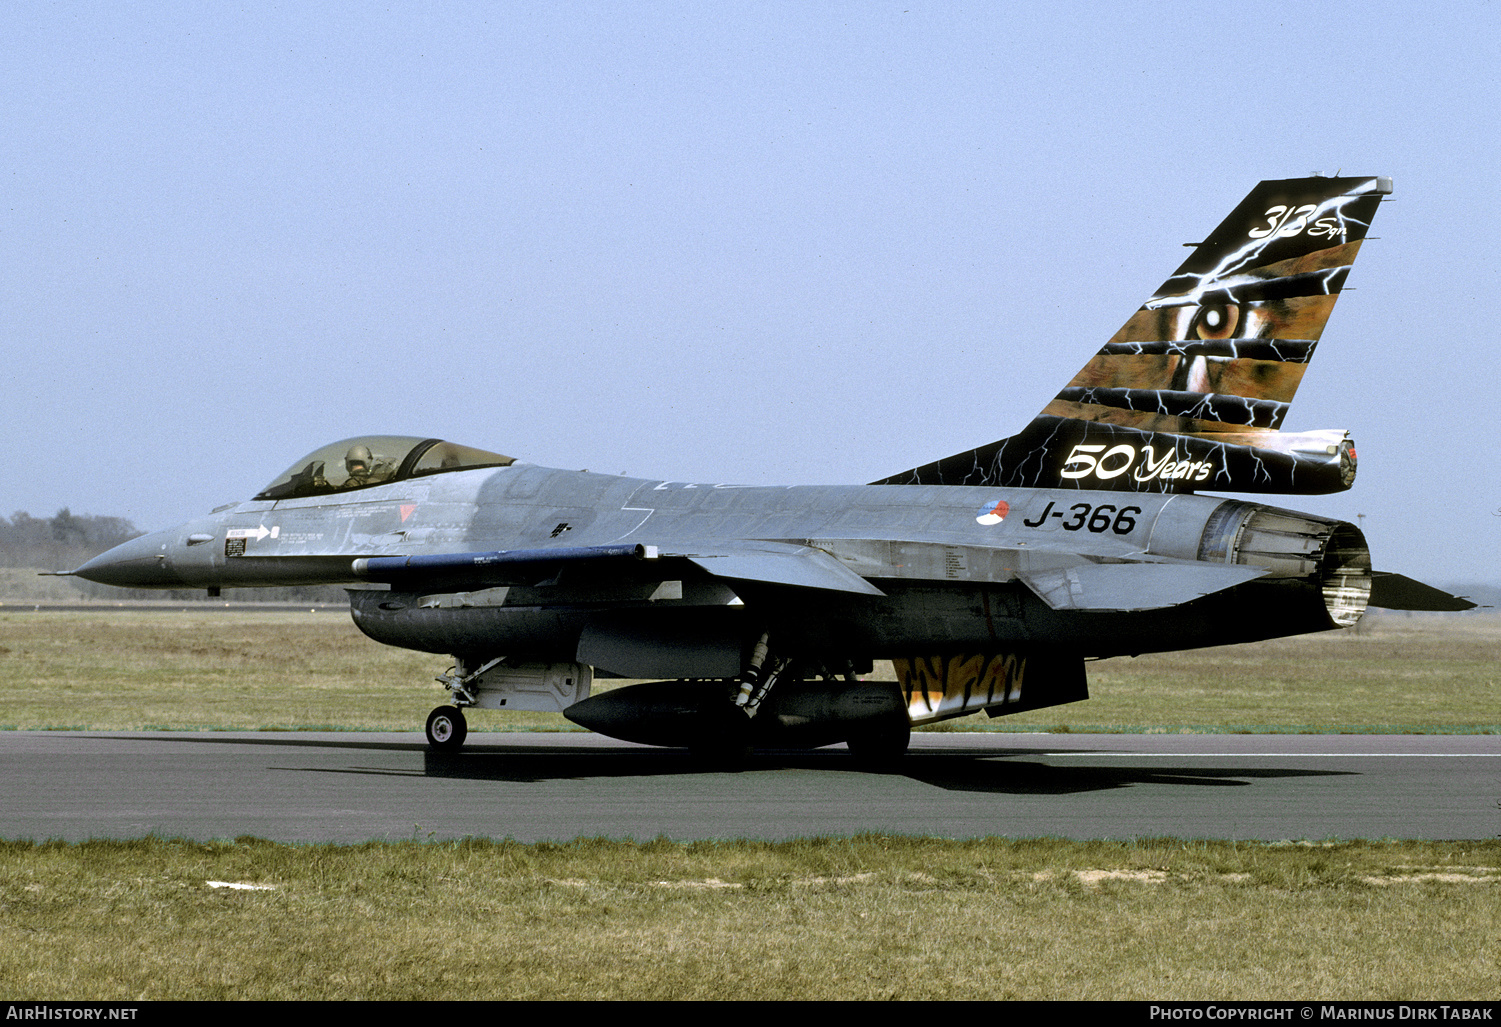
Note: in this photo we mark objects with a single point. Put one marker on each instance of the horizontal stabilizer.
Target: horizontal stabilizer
(1398, 592)
(1133, 586)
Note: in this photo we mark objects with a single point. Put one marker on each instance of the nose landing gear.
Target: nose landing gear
(446, 728)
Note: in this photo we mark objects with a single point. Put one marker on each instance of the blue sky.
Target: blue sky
(756, 243)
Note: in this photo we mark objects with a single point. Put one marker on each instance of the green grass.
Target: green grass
(862, 918)
(865, 918)
(303, 670)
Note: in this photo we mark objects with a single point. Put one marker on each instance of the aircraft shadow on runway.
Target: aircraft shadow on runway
(989, 771)
(1005, 771)
(1034, 778)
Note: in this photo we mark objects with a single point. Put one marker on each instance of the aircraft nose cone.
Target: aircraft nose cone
(140, 563)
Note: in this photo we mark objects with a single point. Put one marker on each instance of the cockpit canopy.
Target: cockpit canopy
(370, 460)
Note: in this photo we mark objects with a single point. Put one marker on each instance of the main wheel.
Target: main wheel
(446, 728)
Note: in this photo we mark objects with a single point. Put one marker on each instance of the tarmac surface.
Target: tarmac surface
(354, 787)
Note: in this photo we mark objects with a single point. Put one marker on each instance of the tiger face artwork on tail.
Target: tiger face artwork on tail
(1193, 389)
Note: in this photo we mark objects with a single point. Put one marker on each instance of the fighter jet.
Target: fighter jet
(988, 578)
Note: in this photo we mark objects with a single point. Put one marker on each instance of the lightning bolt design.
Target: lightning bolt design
(1189, 287)
(1193, 390)
(1293, 351)
(1258, 413)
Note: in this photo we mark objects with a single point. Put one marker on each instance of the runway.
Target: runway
(348, 787)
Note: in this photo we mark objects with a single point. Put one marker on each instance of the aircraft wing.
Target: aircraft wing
(773, 563)
(779, 563)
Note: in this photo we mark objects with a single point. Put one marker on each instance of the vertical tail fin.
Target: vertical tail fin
(1193, 389)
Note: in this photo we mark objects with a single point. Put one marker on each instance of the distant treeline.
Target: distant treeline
(67, 540)
(59, 543)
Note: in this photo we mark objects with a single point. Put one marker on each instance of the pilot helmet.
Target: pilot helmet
(358, 455)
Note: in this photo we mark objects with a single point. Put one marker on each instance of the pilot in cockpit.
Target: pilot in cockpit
(362, 468)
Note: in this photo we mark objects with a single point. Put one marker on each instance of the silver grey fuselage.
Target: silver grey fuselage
(944, 571)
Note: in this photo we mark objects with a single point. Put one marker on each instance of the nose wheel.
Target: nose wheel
(446, 728)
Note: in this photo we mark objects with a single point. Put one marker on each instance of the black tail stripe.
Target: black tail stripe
(1287, 351)
(1240, 410)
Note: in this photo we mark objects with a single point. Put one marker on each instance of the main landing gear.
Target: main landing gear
(446, 728)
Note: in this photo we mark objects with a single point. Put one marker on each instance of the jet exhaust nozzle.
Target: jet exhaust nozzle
(1331, 554)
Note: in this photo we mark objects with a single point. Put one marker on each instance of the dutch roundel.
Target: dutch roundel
(993, 513)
